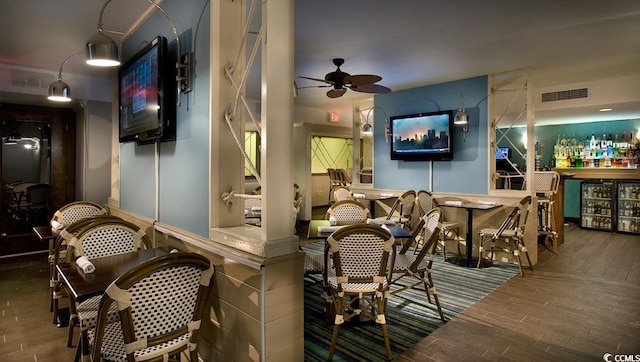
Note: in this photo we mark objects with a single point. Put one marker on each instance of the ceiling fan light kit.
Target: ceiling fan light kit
(340, 81)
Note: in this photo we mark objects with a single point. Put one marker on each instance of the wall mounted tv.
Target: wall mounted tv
(147, 95)
(422, 136)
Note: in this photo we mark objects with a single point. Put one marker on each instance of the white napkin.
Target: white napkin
(256, 209)
(490, 203)
(453, 203)
(328, 229)
(380, 222)
(332, 221)
(359, 196)
(56, 225)
(84, 264)
(386, 194)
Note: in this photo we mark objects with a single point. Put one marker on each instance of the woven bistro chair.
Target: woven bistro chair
(425, 241)
(449, 231)
(67, 215)
(359, 287)
(402, 209)
(545, 185)
(161, 304)
(347, 212)
(104, 238)
(59, 256)
(508, 237)
(342, 193)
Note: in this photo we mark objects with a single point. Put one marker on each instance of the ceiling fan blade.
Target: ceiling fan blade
(362, 79)
(370, 88)
(316, 79)
(335, 93)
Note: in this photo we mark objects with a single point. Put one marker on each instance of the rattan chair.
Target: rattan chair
(71, 213)
(509, 237)
(402, 209)
(342, 193)
(347, 212)
(545, 185)
(425, 241)
(109, 237)
(449, 231)
(59, 256)
(162, 304)
(359, 287)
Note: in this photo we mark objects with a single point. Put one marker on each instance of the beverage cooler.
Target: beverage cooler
(597, 205)
(628, 211)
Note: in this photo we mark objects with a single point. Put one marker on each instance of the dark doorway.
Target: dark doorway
(37, 172)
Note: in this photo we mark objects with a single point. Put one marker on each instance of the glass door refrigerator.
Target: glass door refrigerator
(629, 206)
(597, 204)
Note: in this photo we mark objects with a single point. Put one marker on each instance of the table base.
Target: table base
(462, 261)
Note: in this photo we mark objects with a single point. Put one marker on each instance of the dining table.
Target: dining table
(373, 199)
(82, 286)
(468, 260)
(396, 230)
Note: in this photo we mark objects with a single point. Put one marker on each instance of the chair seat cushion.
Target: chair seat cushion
(507, 233)
(355, 287)
(113, 345)
(88, 312)
(403, 263)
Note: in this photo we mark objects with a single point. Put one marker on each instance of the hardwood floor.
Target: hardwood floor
(575, 306)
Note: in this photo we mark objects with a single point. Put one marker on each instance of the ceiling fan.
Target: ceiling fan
(340, 81)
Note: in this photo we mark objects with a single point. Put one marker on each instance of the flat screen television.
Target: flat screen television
(503, 153)
(422, 136)
(147, 95)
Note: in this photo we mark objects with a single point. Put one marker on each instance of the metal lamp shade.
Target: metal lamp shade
(59, 91)
(102, 51)
(367, 128)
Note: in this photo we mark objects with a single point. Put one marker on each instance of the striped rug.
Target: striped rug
(410, 316)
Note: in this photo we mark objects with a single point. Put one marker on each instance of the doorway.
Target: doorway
(37, 171)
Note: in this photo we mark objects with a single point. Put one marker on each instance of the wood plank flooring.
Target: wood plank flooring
(575, 306)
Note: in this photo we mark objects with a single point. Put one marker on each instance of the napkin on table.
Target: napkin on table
(453, 203)
(56, 225)
(85, 265)
(328, 229)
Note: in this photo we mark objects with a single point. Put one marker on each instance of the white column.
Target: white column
(277, 120)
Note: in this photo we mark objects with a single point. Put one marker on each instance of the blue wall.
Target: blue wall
(184, 163)
(467, 173)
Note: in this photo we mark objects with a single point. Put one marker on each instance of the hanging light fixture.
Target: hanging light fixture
(59, 91)
(462, 118)
(102, 51)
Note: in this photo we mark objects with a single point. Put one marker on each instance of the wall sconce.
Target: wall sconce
(462, 118)
(102, 51)
(367, 127)
(60, 91)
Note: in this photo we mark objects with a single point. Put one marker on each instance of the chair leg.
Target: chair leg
(382, 311)
(435, 296)
(336, 326)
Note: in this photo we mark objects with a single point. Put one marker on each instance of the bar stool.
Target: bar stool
(545, 184)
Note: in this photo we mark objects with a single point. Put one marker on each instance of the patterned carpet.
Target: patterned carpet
(410, 316)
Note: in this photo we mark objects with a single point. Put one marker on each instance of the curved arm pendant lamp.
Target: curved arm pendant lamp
(60, 91)
(102, 51)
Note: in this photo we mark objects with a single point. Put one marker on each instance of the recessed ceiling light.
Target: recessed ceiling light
(605, 109)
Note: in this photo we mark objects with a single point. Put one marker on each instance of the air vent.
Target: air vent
(564, 95)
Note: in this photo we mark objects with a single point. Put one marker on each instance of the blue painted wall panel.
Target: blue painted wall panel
(184, 163)
(467, 172)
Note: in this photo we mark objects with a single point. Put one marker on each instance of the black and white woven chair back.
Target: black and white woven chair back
(347, 212)
(424, 200)
(75, 211)
(108, 238)
(161, 304)
(360, 253)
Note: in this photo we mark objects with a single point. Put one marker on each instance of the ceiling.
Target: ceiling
(409, 43)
